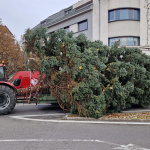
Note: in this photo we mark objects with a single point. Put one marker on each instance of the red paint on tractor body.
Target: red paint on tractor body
(1, 65)
(7, 83)
(24, 79)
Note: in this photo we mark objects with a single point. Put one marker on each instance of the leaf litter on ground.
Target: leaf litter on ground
(128, 116)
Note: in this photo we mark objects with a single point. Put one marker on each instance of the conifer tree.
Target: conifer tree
(89, 78)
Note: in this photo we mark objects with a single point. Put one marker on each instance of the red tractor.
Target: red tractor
(23, 88)
(7, 92)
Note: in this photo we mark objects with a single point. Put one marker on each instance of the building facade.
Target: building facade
(123, 21)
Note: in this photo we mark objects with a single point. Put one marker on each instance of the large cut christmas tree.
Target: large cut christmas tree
(89, 78)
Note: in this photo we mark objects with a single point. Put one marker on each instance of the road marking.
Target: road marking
(27, 117)
(124, 147)
(58, 114)
(58, 140)
(130, 147)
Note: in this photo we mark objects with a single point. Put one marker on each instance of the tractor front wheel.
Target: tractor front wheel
(7, 99)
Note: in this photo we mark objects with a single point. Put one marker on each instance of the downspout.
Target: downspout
(147, 22)
(99, 19)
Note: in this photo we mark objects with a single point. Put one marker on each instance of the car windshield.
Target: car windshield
(1, 73)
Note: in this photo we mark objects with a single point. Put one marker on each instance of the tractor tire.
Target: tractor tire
(7, 99)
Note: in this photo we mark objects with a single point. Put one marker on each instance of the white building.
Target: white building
(125, 21)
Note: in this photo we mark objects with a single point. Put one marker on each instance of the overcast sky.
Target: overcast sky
(18, 15)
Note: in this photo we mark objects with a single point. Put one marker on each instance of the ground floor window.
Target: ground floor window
(124, 41)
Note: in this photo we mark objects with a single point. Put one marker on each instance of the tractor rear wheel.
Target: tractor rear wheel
(7, 99)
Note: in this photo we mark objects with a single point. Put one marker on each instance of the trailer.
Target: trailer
(23, 88)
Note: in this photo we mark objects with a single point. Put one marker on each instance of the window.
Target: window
(43, 23)
(112, 16)
(130, 41)
(52, 32)
(68, 11)
(83, 25)
(117, 14)
(124, 14)
(136, 15)
(112, 41)
(130, 13)
(17, 82)
(136, 41)
(1, 73)
(125, 41)
(67, 29)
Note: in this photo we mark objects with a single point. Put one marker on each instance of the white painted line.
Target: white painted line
(57, 140)
(25, 117)
(124, 147)
(41, 115)
(130, 147)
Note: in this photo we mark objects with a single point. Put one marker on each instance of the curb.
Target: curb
(104, 119)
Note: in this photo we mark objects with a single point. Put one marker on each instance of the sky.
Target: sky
(19, 15)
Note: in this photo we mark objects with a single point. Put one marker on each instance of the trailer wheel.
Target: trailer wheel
(7, 99)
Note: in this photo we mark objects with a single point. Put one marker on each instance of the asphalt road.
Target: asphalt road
(20, 134)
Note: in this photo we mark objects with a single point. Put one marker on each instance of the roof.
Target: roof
(62, 15)
(53, 18)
